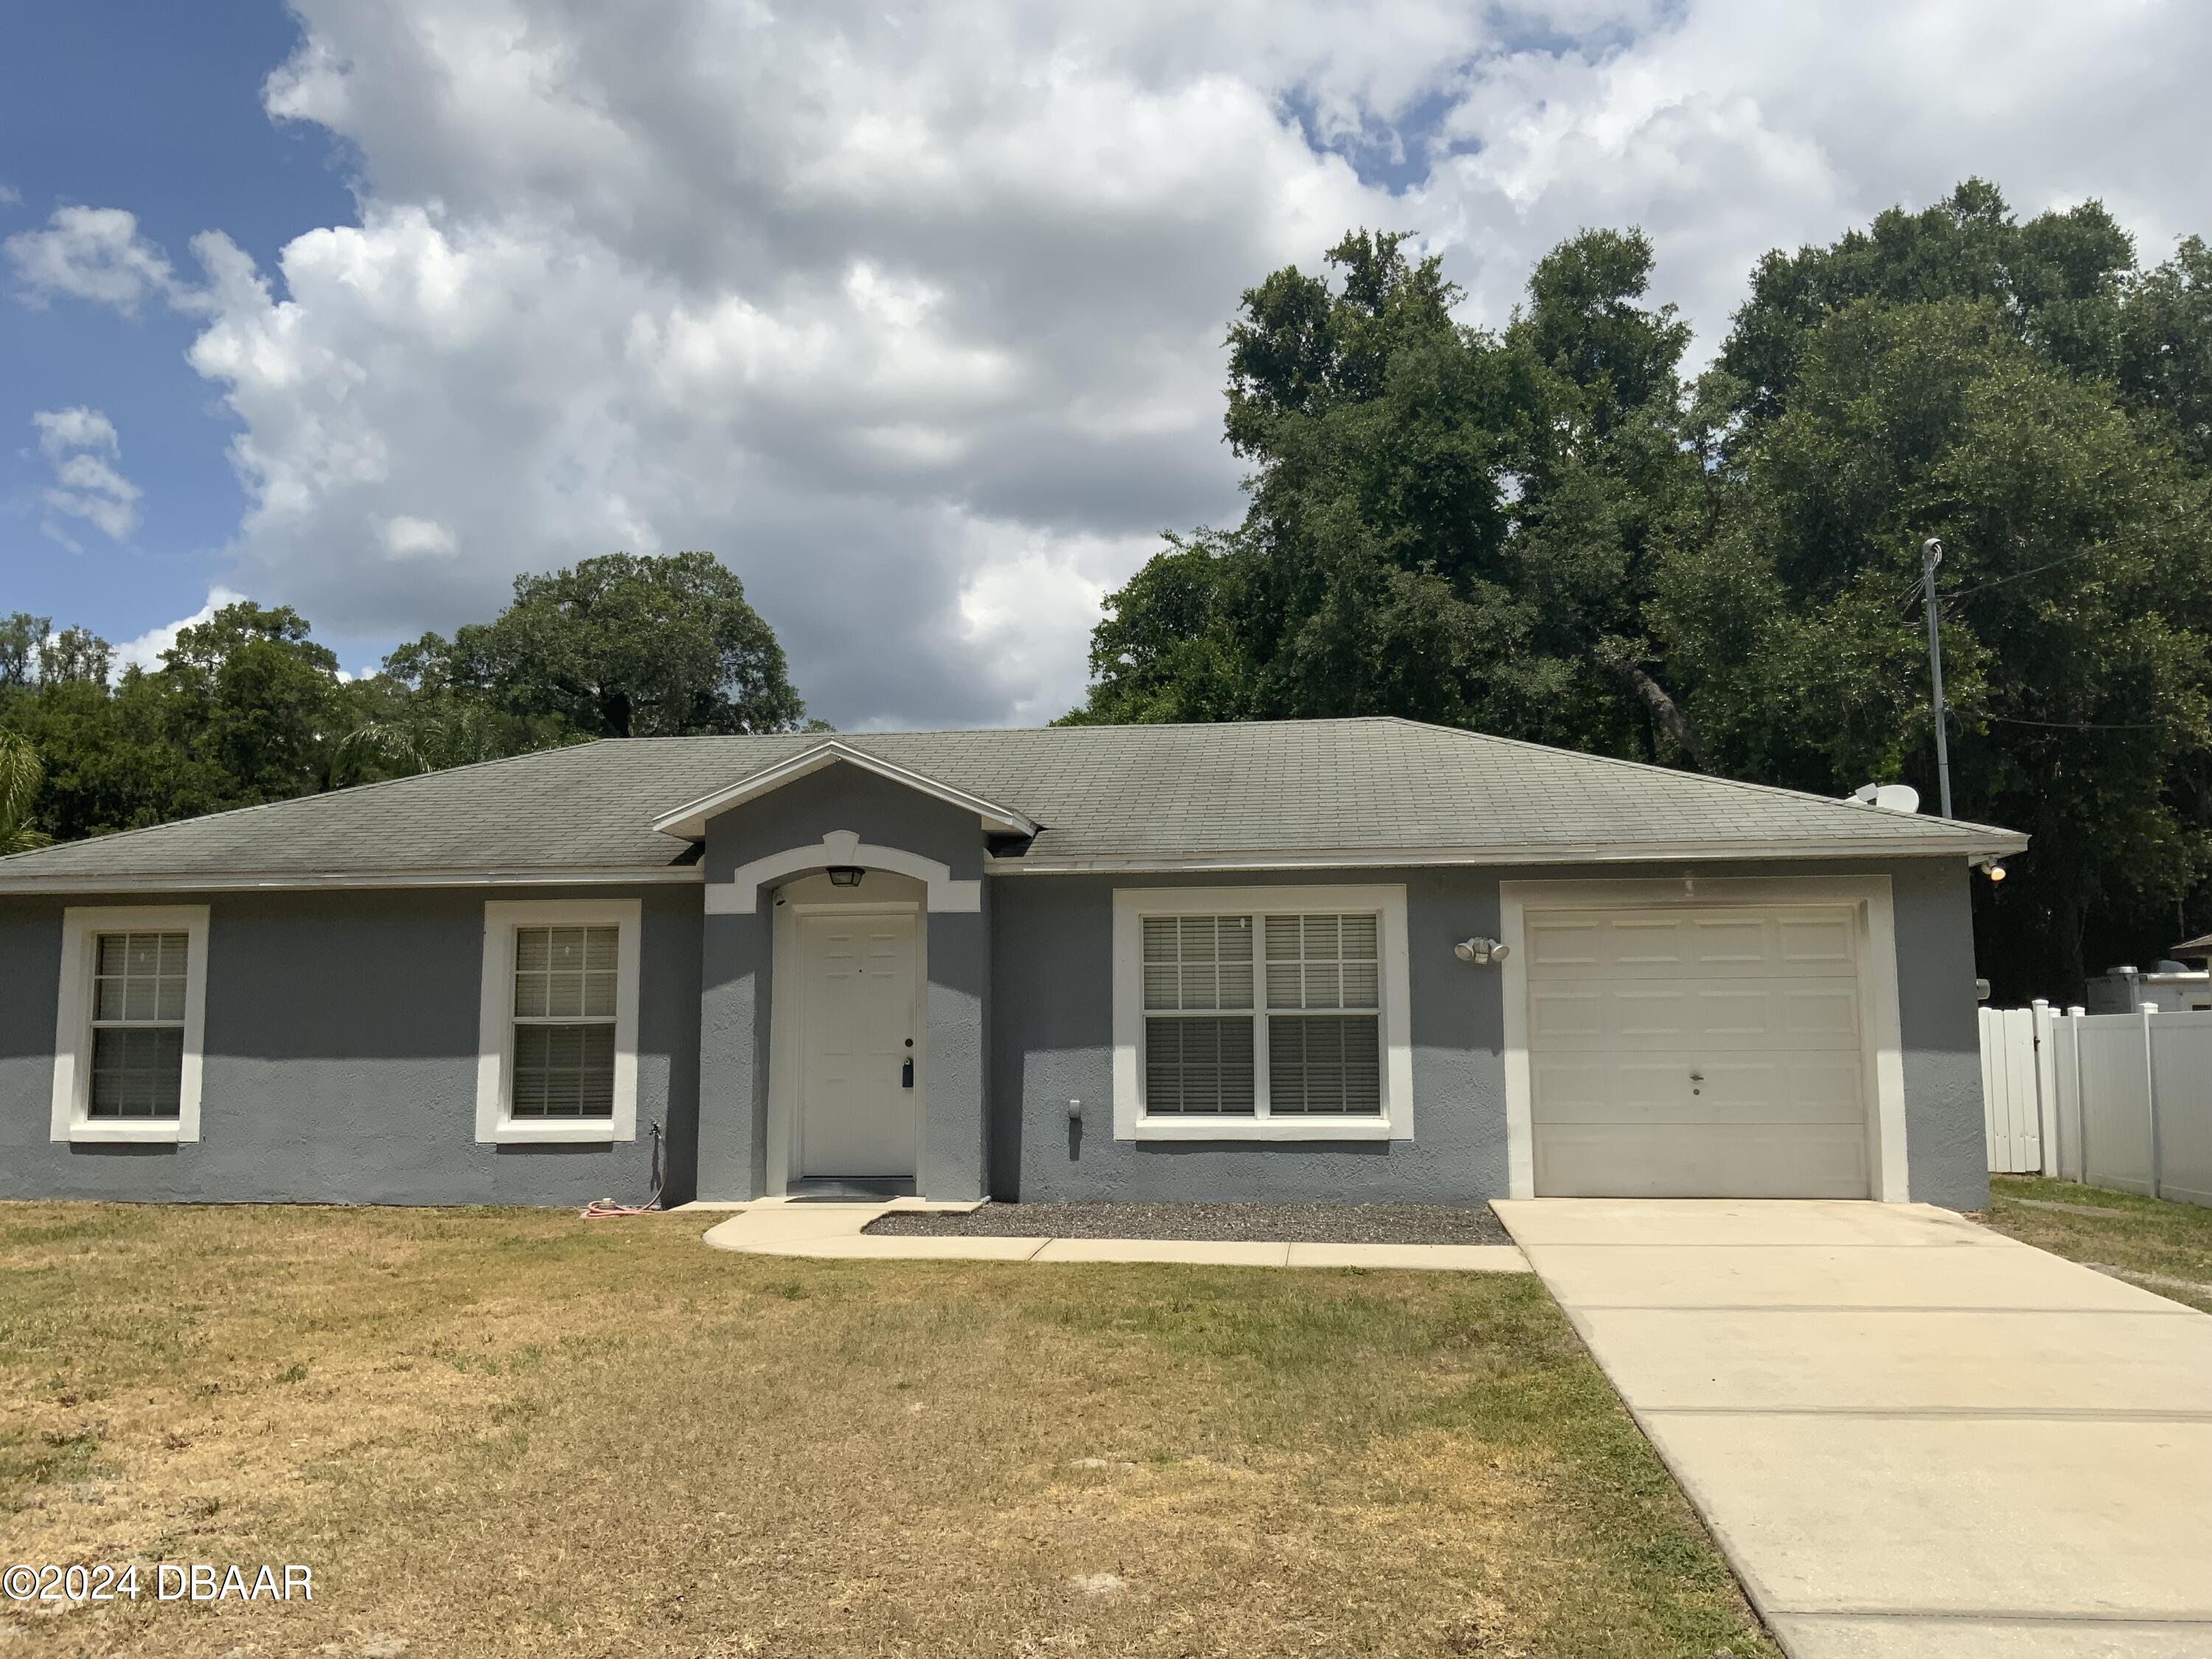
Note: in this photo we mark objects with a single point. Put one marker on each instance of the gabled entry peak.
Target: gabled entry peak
(689, 822)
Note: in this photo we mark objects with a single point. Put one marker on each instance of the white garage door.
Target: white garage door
(1694, 1053)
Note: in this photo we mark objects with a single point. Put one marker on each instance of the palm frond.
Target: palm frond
(20, 774)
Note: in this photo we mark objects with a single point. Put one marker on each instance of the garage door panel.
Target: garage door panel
(1794, 1089)
(1730, 944)
(1602, 1089)
(1693, 1016)
(1742, 1009)
(1699, 1160)
(1829, 1013)
(1573, 1011)
(1704, 943)
(1565, 943)
(1691, 1051)
(1646, 1012)
(1810, 943)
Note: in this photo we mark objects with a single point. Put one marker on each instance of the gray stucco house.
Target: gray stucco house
(1361, 959)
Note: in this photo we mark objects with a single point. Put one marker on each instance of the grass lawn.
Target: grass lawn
(2166, 1248)
(516, 1432)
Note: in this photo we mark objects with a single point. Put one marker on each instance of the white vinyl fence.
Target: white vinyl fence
(2116, 1100)
(2012, 1109)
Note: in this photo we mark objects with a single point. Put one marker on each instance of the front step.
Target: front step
(847, 1189)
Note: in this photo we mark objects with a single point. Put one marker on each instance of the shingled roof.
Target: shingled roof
(1368, 791)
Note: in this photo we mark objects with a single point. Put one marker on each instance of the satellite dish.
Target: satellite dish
(1890, 797)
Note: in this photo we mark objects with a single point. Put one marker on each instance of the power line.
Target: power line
(2080, 726)
(1904, 598)
(1999, 581)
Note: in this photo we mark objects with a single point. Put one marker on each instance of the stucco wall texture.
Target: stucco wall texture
(342, 1037)
(1052, 946)
(341, 1059)
(738, 1003)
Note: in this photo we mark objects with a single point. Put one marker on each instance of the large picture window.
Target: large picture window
(559, 1050)
(1261, 1013)
(127, 1035)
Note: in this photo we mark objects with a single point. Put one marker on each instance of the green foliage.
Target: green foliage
(20, 776)
(247, 708)
(2020, 390)
(1445, 524)
(250, 694)
(1543, 533)
(619, 647)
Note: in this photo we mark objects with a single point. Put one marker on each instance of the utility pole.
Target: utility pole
(1931, 554)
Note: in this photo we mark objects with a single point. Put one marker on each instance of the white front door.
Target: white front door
(1698, 1053)
(859, 1018)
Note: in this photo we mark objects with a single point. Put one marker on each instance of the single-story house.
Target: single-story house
(1329, 960)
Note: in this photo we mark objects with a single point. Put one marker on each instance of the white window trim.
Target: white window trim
(1132, 904)
(1870, 897)
(72, 1101)
(496, 1021)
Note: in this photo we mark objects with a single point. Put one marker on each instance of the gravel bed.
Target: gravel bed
(1261, 1223)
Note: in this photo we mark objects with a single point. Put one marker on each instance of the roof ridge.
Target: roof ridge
(1042, 730)
(352, 789)
(1676, 771)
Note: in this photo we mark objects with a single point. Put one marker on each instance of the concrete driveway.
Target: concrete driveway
(1909, 1434)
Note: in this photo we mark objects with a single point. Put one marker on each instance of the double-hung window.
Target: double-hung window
(564, 1022)
(1261, 1013)
(557, 1056)
(132, 1008)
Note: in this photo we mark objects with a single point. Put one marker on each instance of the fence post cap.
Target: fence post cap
(2075, 1011)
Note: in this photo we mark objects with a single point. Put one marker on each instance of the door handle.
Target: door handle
(906, 1075)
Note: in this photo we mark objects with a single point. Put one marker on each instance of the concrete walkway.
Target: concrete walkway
(1910, 1435)
(777, 1227)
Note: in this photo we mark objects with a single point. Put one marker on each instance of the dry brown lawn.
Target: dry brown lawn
(516, 1432)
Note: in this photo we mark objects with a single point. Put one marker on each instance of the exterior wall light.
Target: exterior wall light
(1481, 951)
(846, 875)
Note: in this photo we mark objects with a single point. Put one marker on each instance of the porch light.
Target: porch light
(845, 875)
(1481, 951)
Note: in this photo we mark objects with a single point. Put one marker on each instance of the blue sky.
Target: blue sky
(155, 106)
(911, 311)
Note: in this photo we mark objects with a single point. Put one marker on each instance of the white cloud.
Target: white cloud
(10, 197)
(416, 538)
(914, 314)
(82, 447)
(145, 651)
(61, 430)
(95, 254)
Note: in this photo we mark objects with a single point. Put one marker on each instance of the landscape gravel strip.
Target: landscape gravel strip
(1261, 1224)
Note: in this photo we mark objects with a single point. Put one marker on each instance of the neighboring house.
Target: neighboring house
(2198, 950)
(1142, 962)
(2170, 985)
